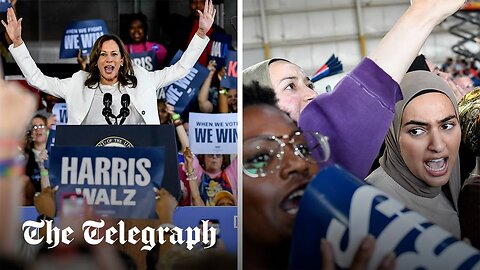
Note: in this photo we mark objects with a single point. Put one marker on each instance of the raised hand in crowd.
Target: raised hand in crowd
(170, 110)
(44, 176)
(206, 18)
(458, 91)
(42, 157)
(212, 66)
(82, 60)
(51, 121)
(204, 104)
(414, 25)
(192, 178)
(44, 201)
(45, 205)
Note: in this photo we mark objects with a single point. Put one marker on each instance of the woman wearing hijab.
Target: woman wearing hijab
(363, 102)
(111, 71)
(420, 165)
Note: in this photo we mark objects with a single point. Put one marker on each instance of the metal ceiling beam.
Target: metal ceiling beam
(290, 10)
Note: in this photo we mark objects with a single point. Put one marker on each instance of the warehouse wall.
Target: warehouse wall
(309, 31)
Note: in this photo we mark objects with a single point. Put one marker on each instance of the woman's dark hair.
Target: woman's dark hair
(44, 119)
(143, 20)
(126, 75)
(254, 94)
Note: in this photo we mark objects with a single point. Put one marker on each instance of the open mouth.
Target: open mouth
(436, 167)
(291, 204)
(109, 69)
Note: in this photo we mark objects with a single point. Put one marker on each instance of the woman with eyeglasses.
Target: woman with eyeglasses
(111, 71)
(278, 164)
(36, 151)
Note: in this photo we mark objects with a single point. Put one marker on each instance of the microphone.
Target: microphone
(125, 100)
(107, 111)
(107, 99)
(124, 111)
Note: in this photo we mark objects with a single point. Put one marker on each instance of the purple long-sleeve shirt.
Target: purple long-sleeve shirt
(355, 116)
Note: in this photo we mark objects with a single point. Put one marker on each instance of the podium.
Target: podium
(127, 136)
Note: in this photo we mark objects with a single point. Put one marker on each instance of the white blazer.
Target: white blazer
(79, 98)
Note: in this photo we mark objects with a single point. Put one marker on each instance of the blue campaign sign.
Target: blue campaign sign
(28, 213)
(60, 111)
(4, 5)
(81, 35)
(117, 182)
(181, 92)
(222, 217)
(147, 60)
(220, 45)
(230, 80)
(343, 209)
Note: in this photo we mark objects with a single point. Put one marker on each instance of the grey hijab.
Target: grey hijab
(415, 83)
(260, 73)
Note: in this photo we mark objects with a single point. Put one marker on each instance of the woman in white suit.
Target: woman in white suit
(111, 71)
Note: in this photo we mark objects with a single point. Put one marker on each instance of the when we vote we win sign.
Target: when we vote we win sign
(213, 133)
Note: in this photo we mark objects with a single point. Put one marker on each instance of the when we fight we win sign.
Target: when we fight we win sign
(81, 35)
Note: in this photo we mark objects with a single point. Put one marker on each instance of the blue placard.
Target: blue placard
(230, 80)
(220, 44)
(181, 92)
(60, 112)
(4, 5)
(51, 141)
(147, 60)
(81, 35)
(117, 182)
(28, 213)
(342, 209)
(213, 133)
(226, 216)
